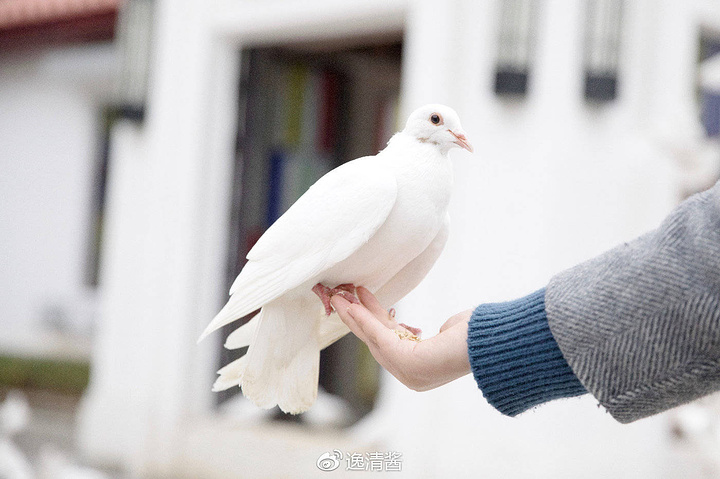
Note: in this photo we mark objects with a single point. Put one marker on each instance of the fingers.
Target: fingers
(371, 302)
(363, 322)
(341, 306)
(373, 305)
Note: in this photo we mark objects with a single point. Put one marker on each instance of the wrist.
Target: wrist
(514, 357)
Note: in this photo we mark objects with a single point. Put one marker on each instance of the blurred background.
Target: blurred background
(146, 144)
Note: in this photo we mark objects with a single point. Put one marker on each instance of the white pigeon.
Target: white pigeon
(378, 221)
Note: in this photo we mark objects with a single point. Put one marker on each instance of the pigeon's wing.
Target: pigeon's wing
(335, 217)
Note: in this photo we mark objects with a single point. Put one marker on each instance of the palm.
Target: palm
(420, 365)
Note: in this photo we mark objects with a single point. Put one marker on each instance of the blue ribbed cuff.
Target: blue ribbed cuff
(515, 360)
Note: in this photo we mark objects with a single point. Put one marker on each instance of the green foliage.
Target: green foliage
(65, 376)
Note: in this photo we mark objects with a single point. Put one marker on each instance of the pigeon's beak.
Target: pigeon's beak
(462, 141)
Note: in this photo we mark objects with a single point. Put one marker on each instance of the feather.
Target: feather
(343, 217)
(243, 335)
(284, 373)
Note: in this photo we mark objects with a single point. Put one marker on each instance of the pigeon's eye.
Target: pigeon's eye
(435, 119)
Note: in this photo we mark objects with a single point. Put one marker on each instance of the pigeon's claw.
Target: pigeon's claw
(349, 287)
(345, 295)
(346, 291)
(324, 293)
(416, 331)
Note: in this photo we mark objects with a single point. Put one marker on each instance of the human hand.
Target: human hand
(421, 366)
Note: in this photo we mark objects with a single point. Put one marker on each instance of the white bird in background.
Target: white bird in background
(378, 221)
(14, 417)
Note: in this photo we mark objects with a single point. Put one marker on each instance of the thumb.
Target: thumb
(458, 318)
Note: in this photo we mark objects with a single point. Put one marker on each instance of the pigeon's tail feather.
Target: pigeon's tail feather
(232, 311)
(250, 291)
(243, 335)
(283, 360)
(331, 329)
(231, 374)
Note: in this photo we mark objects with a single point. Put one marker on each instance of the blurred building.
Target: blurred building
(590, 120)
(57, 64)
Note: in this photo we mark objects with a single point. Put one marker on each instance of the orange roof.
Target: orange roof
(28, 23)
(26, 13)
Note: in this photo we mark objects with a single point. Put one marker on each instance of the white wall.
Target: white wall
(50, 103)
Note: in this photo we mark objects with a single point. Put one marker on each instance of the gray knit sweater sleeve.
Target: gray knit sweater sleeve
(640, 324)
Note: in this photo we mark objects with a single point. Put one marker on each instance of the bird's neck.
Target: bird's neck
(420, 163)
(402, 142)
(418, 160)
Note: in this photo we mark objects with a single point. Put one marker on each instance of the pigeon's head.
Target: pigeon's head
(439, 125)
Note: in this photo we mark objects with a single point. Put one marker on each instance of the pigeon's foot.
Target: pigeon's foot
(346, 291)
(347, 287)
(416, 331)
(324, 293)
